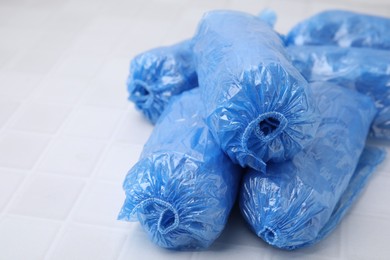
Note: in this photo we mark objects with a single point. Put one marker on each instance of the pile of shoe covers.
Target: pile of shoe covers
(277, 123)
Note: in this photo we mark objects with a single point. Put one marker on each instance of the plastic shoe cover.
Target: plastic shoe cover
(161, 73)
(157, 75)
(369, 160)
(258, 106)
(342, 28)
(183, 187)
(289, 204)
(268, 16)
(362, 69)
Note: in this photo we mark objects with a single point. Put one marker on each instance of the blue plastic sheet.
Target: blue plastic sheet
(157, 75)
(183, 187)
(293, 201)
(362, 69)
(342, 28)
(258, 105)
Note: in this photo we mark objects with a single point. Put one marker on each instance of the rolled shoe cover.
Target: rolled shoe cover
(157, 75)
(368, 162)
(342, 28)
(183, 187)
(362, 69)
(292, 201)
(258, 106)
(161, 73)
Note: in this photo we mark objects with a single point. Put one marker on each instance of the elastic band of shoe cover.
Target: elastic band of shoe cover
(254, 128)
(141, 94)
(168, 207)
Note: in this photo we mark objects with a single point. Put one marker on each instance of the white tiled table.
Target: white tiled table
(68, 135)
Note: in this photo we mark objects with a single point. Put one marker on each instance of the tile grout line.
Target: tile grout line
(51, 138)
(8, 127)
(30, 171)
(88, 182)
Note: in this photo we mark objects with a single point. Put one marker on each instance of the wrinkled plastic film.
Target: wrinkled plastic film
(183, 187)
(290, 204)
(361, 69)
(157, 75)
(342, 28)
(368, 162)
(258, 106)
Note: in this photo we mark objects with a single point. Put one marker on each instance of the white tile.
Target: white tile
(379, 2)
(122, 8)
(177, 32)
(94, 43)
(100, 36)
(9, 181)
(65, 21)
(33, 61)
(117, 161)
(114, 72)
(165, 11)
(6, 55)
(72, 156)
(367, 237)
(60, 89)
(86, 8)
(28, 18)
(78, 65)
(101, 205)
(6, 14)
(7, 108)
(373, 200)
(288, 13)
(134, 128)
(24, 238)
(93, 121)
(45, 118)
(17, 86)
(207, 5)
(230, 252)
(49, 5)
(141, 35)
(21, 151)
(107, 94)
(286, 255)
(329, 248)
(58, 41)
(250, 6)
(88, 242)
(18, 38)
(47, 197)
(138, 246)
(315, 7)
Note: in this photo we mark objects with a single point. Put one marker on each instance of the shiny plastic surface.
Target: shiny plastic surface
(258, 106)
(369, 160)
(157, 75)
(161, 73)
(183, 187)
(362, 69)
(291, 203)
(342, 28)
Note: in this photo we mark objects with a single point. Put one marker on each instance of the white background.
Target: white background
(68, 134)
